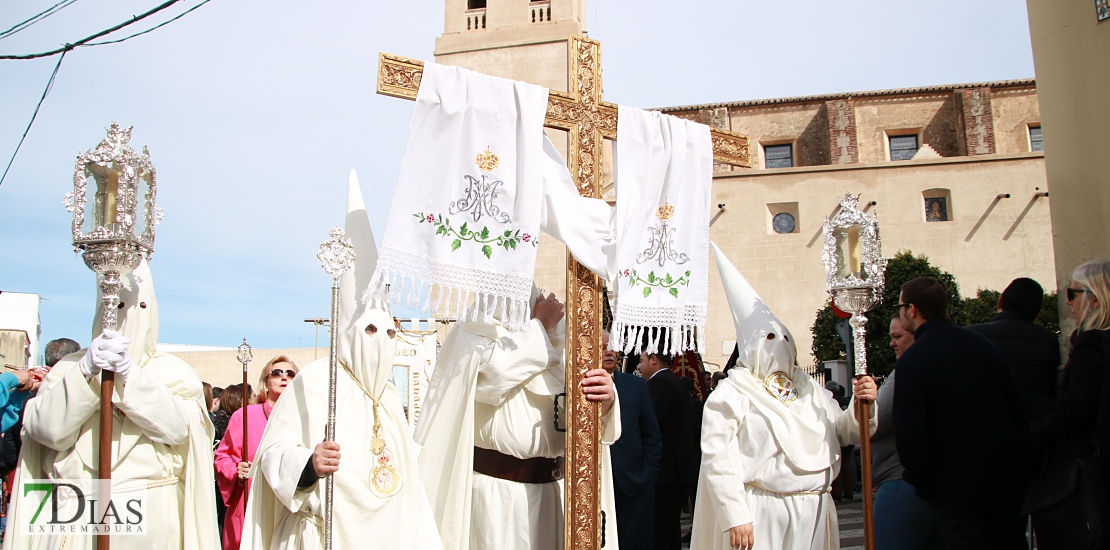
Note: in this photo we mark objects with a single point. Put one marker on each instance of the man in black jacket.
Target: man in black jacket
(678, 466)
(1032, 351)
(635, 456)
(959, 425)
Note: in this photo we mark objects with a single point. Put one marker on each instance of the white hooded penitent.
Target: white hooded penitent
(378, 495)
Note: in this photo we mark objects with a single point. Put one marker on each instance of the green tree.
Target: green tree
(981, 308)
(880, 358)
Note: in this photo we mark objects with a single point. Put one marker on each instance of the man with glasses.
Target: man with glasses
(959, 425)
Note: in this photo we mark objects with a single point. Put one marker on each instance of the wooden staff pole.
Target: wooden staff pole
(863, 410)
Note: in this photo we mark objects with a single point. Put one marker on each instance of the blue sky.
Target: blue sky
(254, 112)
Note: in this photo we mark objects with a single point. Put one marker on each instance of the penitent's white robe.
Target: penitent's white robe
(495, 389)
(162, 434)
(281, 516)
(740, 450)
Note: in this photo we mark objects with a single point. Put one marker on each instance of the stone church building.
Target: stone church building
(956, 172)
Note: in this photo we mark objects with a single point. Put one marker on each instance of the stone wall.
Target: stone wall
(984, 246)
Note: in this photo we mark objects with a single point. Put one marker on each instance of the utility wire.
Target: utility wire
(88, 39)
(36, 18)
(158, 26)
(49, 85)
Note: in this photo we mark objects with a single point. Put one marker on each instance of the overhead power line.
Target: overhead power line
(84, 42)
(88, 39)
(36, 18)
(46, 92)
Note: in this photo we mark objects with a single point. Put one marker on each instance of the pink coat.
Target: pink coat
(228, 456)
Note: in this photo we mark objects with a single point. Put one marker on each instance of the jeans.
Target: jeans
(903, 521)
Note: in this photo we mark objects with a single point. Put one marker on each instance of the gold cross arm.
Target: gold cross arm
(400, 77)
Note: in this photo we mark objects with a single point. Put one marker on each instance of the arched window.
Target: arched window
(938, 205)
(475, 4)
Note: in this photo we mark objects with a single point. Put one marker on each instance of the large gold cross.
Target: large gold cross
(589, 121)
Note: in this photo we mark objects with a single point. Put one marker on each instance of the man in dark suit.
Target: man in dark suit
(1032, 351)
(959, 425)
(635, 457)
(678, 466)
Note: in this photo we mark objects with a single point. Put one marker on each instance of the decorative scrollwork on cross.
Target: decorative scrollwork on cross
(336, 255)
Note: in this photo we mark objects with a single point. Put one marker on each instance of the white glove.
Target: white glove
(107, 349)
(120, 364)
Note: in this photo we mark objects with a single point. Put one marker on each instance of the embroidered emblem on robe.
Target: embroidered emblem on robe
(781, 387)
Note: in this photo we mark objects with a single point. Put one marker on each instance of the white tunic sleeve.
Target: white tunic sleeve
(64, 403)
(847, 427)
(154, 409)
(282, 464)
(720, 456)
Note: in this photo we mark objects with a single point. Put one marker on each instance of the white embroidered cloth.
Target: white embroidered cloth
(465, 215)
(663, 179)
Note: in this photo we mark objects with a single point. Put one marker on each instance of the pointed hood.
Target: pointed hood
(367, 352)
(801, 426)
(765, 344)
(137, 317)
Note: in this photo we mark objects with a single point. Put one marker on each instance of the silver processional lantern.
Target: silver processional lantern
(855, 278)
(114, 214)
(854, 268)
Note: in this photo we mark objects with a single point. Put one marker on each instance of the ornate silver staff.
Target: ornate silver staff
(245, 356)
(855, 277)
(336, 257)
(112, 240)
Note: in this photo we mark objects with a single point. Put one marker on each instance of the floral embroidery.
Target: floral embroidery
(507, 240)
(652, 281)
(661, 242)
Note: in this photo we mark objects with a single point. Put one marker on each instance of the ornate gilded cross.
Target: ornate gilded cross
(588, 120)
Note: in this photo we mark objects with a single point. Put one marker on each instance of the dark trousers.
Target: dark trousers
(991, 526)
(668, 515)
(635, 518)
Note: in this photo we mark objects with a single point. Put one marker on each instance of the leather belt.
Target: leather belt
(521, 470)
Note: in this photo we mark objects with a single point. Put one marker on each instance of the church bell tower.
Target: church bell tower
(518, 39)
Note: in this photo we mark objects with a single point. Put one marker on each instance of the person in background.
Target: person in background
(843, 487)
(231, 400)
(1032, 351)
(696, 407)
(707, 381)
(208, 398)
(1067, 428)
(678, 466)
(902, 520)
(717, 377)
(960, 425)
(216, 392)
(232, 462)
(635, 456)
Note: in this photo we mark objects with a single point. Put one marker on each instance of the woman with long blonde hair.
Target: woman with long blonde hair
(1074, 427)
(232, 464)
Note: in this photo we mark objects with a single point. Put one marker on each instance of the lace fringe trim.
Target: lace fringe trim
(639, 329)
(448, 290)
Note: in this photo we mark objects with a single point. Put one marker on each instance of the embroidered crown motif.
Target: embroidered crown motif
(664, 212)
(486, 161)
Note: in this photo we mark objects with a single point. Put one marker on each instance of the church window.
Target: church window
(475, 4)
(1036, 142)
(778, 156)
(903, 147)
(938, 205)
(782, 218)
(783, 222)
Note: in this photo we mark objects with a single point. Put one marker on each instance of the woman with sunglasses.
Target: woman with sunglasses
(1071, 428)
(231, 464)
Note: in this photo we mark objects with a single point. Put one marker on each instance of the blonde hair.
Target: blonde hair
(1094, 277)
(262, 376)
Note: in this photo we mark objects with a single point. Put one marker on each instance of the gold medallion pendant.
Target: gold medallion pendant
(781, 387)
(385, 479)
